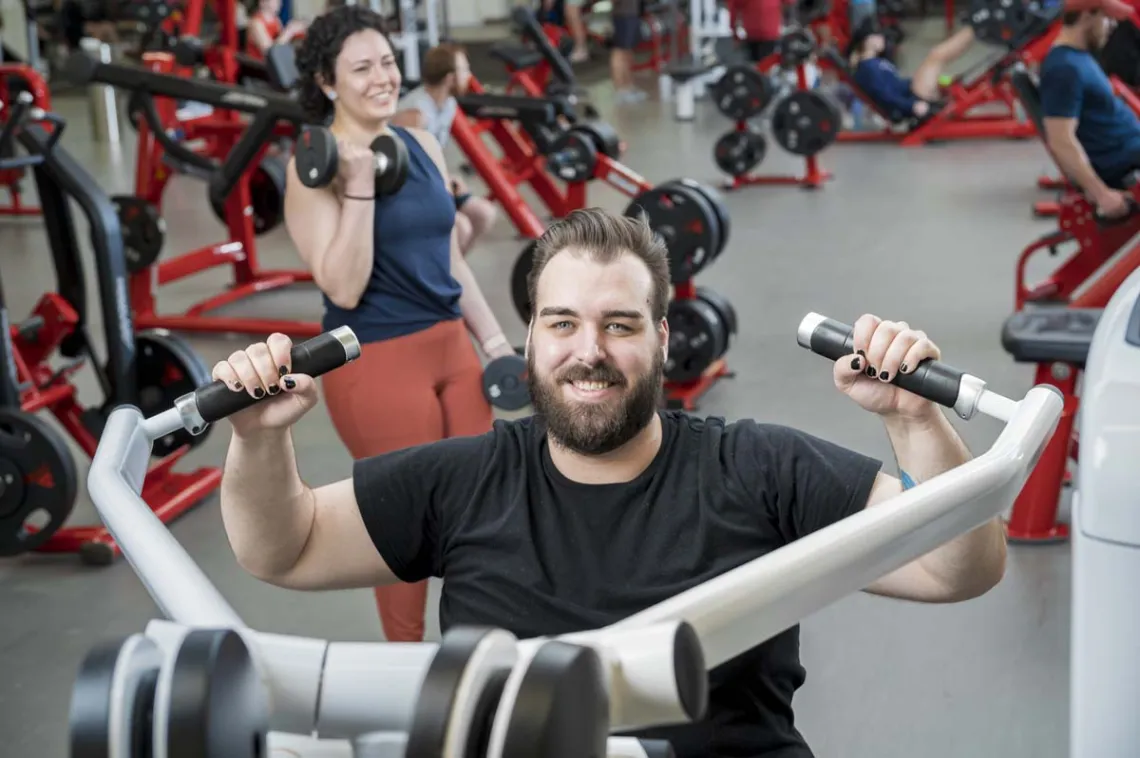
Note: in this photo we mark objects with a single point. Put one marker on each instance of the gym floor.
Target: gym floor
(927, 235)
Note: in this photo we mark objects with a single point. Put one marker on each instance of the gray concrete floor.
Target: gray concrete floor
(928, 235)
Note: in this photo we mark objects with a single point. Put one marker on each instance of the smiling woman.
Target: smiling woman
(388, 267)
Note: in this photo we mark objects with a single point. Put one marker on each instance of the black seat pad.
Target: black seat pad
(1050, 334)
(516, 57)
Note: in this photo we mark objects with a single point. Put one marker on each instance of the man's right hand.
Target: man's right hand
(263, 370)
(1112, 203)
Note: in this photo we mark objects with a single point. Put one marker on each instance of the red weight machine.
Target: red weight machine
(52, 344)
(814, 175)
(981, 108)
(223, 130)
(11, 178)
(1107, 254)
(685, 395)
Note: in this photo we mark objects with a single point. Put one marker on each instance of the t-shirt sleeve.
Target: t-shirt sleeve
(1061, 91)
(409, 498)
(802, 482)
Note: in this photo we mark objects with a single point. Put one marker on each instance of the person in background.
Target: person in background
(761, 22)
(571, 18)
(626, 17)
(265, 29)
(432, 107)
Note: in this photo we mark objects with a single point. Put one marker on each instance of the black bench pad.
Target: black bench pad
(1050, 333)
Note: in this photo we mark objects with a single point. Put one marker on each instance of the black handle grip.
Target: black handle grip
(932, 379)
(313, 357)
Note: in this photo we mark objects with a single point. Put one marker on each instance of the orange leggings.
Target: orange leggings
(400, 393)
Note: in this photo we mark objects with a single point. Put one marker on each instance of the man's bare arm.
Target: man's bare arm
(286, 533)
(965, 567)
(1061, 136)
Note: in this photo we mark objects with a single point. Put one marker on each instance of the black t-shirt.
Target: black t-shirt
(523, 548)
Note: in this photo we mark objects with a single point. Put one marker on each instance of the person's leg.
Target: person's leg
(626, 30)
(466, 411)
(480, 215)
(572, 11)
(924, 83)
(385, 401)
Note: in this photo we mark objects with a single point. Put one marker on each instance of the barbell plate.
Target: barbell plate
(315, 156)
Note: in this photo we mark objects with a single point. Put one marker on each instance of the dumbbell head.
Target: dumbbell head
(391, 163)
(315, 156)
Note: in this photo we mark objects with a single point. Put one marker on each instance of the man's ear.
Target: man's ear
(663, 334)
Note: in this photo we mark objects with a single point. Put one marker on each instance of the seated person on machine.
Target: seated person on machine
(1093, 135)
(432, 107)
(601, 504)
(264, 29)
(895, 94)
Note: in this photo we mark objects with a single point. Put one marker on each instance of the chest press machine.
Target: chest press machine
(203, 683)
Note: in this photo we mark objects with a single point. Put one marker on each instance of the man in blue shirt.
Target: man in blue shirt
(1093, 135)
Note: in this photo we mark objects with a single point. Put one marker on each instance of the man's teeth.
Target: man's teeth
(591, 386)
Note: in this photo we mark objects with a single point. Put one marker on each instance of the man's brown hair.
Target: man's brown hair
(439, 61)
(604, 237)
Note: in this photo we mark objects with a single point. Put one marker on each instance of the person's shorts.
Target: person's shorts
(461, 199)
(627, 30)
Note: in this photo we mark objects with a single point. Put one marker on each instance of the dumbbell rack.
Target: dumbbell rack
(814, 175)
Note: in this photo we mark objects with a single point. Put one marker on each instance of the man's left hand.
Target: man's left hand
(883, 350)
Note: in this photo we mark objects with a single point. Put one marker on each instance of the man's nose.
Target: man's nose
(591, 350)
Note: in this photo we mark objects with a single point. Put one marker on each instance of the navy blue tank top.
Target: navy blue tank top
(411, 287)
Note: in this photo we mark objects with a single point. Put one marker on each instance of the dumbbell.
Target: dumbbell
(504, 383)
(316, 160)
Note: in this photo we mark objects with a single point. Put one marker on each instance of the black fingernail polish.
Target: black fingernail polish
(902, 369)
(259, 393)
(282, 370)
(289, 382)
(237, 385)
(855, 363)
(274, 389)
(860, 352)
(884, 376)
(871, 371)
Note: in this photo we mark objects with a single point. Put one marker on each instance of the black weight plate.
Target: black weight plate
(605, 137)
(37, 479)
(811, 10)
(392, 170)
(167, 369)
(315, 156)
(574, 157)
(716, 202)
(999, 22)
(806, 122)
(217, 703)
(144, 231)
(480, 658)
(686, 223)
(267, 193)
(723, 308)
(562, 706)
(504, 383)
(519, 273)
(738, 152)
(123, 674)
(742, 92)
(697, 337)
(796, 47)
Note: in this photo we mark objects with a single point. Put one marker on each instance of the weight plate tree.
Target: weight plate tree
(805, 122)
(38, 482)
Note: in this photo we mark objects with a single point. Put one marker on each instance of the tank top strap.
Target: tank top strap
(420, 164)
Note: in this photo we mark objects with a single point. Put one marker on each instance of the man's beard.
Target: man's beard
(596, 428)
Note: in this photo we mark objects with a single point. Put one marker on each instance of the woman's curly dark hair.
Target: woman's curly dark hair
(323, 42)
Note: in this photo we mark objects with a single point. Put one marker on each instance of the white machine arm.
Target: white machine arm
(651, 665)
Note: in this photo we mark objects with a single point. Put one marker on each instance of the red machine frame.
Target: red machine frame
(168, 493)
(221, 130)
(1034, 514)
(814, 176)
(10, 178)
(957, 120)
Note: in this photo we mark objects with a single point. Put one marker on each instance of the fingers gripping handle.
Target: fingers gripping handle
(931, 379)
(313, 357)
